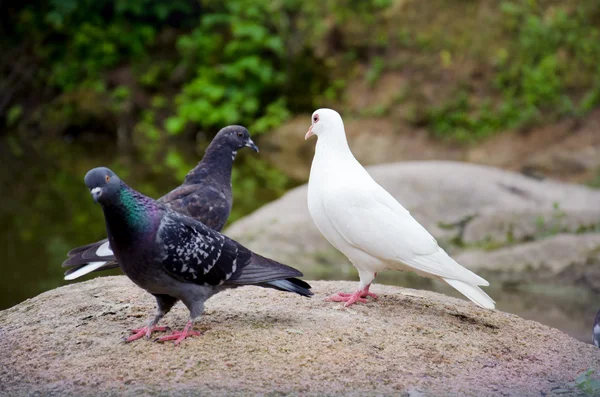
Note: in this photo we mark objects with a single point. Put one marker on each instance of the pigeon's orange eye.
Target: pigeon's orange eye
(107, 178)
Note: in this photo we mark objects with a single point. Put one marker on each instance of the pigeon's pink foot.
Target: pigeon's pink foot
(178, 336)
(144, 331)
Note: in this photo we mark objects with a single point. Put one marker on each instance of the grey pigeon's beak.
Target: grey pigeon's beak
(96, 193)
(309, 133)
(251, 145)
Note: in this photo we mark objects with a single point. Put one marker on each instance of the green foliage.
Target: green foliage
(549, 68)
(79, 40)
(588, 385)
(213, 63)
(219, 62)
(235, 60)
(465, 122)
(13, 115)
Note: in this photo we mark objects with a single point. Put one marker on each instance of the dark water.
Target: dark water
(46, 210)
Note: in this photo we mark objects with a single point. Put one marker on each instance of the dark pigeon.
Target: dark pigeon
(175, 257)
(205, 195)
(596, 330)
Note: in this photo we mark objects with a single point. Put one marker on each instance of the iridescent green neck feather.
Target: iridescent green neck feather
(134, 212)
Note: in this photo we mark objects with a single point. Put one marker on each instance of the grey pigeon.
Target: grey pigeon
(175, 257)
(596, 330)
(205, 195)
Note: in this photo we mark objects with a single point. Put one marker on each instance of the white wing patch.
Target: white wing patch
(90, 267)
(104, 250)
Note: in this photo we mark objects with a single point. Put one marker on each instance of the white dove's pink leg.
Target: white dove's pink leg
(363, 293)
(357, 296)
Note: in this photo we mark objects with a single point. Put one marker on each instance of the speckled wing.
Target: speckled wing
(202, 202)
(194, 253)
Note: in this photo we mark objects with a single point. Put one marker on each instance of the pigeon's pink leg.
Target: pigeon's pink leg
(350, 299)
(144, 331)
(178, 336)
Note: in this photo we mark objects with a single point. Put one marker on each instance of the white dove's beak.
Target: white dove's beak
(309, 133)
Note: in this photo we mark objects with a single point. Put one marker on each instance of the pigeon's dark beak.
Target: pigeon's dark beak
(96, 193)
(309, 133)
(251, 145)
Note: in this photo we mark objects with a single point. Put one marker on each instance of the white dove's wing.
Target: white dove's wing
(367, 217)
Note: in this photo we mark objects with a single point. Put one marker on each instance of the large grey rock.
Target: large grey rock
(544, 260)
(65, 342)
(458, 203)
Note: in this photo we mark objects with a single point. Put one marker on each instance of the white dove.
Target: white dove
(365, 223)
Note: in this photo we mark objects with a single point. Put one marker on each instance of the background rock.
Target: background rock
(66, 342)
(543, 260)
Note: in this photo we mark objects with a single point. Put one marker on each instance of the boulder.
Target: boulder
(264, 342)
(550, 259)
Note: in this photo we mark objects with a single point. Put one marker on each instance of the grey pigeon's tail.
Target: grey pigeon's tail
(81, 270)
(290, 285)
(89, 258)
(268, 273)
(98, 251)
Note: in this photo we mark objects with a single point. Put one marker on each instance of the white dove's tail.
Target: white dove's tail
(472, 292)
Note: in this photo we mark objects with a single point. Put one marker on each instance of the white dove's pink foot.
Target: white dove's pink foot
(350, 299)
(144, 331)
(178, 336)
(363, 294)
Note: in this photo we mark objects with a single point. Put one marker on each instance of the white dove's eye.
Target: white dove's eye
(315, 118)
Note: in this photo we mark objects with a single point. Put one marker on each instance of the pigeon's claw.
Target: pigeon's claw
(179, 336)
(144, 331)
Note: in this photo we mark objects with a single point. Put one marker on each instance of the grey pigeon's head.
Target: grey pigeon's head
(325, 122)
(235, 137)
(104, 184)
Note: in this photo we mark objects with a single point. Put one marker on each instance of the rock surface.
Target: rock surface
(463, 205)
(257, 342)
